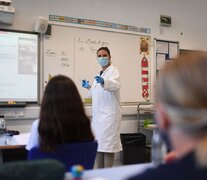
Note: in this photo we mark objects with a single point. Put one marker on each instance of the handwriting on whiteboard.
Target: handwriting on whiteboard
(58, 55)
(90, 45)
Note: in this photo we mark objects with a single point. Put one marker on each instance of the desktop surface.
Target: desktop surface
(12, 142)
(12, 148)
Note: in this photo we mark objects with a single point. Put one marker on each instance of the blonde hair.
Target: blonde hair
(182, 87)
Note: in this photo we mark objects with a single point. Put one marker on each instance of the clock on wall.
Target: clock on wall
(165, 20)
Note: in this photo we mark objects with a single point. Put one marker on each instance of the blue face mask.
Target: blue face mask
(103, 61)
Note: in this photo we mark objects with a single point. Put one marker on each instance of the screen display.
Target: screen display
(19, 66)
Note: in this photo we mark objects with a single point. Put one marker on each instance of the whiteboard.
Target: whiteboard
(72, 51)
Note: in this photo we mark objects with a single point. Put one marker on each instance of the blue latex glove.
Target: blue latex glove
(100, 80)
(85, 84)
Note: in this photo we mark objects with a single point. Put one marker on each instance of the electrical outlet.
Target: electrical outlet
(10, 114)
(20, 113)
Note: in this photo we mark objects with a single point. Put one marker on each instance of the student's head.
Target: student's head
(62, 116)
(104, 56)
(181, 98)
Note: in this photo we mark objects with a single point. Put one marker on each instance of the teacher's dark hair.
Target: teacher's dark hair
(62, 116)
(105, 49)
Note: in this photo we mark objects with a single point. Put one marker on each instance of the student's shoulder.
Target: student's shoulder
(163, 172)
(35, 123)
(175, 170)
(151, 174)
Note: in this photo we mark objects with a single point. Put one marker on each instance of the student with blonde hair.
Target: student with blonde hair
(181, 103)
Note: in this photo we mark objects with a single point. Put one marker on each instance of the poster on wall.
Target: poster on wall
(145, 74)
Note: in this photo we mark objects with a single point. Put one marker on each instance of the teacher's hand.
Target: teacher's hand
(100, 80)
(85, 84)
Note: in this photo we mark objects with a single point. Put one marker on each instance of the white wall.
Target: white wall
(23, 123)
(188, 16)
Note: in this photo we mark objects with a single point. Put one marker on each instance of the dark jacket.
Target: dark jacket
(183, 169)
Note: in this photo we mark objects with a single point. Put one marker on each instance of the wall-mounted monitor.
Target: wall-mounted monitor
(19, 66)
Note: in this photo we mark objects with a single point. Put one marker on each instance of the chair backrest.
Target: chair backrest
(32, 170)
(83, 153)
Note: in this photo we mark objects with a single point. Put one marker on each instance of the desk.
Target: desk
(16, 141)
(12, 142)
(114, 173)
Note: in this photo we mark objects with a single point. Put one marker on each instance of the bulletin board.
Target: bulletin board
(165, 51)
(72, 51)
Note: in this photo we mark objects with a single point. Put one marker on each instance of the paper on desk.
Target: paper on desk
(22, 138)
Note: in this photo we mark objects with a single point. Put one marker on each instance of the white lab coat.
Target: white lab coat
(106, 111)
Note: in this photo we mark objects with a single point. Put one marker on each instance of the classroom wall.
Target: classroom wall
(23, 124)
(188, 25)
(188, 16)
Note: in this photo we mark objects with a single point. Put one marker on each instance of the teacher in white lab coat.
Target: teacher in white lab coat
(106, 109)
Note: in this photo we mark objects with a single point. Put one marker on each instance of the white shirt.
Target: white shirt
(34, 136)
